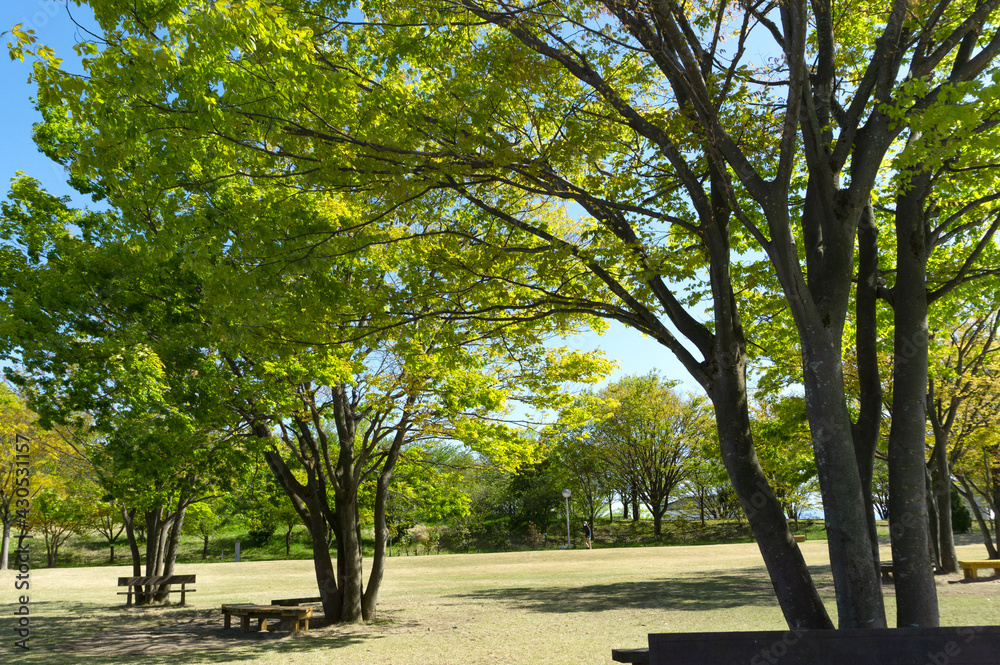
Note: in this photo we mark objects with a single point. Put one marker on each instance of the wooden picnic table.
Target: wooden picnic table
(295, 616)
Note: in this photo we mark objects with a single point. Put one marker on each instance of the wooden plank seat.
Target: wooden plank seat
(886, 570)
(972, 568)
(156, 580)
(954, 645)
(636, 656)
(297, 601)
(295, 616)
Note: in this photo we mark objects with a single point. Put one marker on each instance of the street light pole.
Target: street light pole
(566, 494)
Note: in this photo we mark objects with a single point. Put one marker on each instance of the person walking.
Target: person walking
(587, 534)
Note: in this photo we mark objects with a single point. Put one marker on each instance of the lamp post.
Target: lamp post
(566, 494)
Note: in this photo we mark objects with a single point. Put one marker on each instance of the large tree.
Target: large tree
(635, 114)
(648, 433)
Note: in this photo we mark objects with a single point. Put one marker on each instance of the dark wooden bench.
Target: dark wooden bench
(971, 568)
(951, 645)
(156, 580)
(295, 616)
(297, 601)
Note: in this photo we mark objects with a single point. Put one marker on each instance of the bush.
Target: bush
(961, 519)
(258, 538)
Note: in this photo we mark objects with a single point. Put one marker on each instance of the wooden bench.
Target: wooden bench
(156, 580)
(886, 570)
(297, 601)
(294, 615)
(978, 645)
(799, 537)
(971, 568)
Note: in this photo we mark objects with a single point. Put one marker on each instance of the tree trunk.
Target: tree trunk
(349, 556)
(5, 546)
(855, 576)
(818, 302)
(913, 575)
(867, 429)
(942, 490)
(797, 595)
(657, 522)
(174, 526)
(984, 527)
(369, 602)
(932, 520)
(128, 517)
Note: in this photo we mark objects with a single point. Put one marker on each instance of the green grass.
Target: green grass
(92, 550)
(550, 606)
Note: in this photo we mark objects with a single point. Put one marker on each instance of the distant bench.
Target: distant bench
(297, 601)
(977, 645)
(972, 568)
(295, 616)
(156, 580)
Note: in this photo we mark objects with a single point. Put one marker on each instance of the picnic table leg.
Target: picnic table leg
(228, 619)
(295, 624)
(245, 623)
(262, 624)
(306, 624)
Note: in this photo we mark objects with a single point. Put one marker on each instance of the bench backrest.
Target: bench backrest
(156, 579)
(979, 645)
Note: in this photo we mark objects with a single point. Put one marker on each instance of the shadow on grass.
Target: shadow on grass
(689, 594)
(65, 633)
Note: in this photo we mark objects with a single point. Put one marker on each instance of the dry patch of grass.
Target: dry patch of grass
(556, 607)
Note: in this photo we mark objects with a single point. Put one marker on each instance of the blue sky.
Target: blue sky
(635, 353)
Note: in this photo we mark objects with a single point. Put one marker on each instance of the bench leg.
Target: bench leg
(262, 624)
(295, 625)
(245, 623)
(305, 625)
(227, 620)
(128, 598)
(183, 594)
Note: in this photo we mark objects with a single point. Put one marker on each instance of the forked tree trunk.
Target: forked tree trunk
(797, 595)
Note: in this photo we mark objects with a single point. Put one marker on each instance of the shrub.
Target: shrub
(961, 519)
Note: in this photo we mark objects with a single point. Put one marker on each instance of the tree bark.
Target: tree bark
(867, 429)
(913, 575)
(5, 546)
(941, 484)
(984, 527)
(369, 602)
(797, 595)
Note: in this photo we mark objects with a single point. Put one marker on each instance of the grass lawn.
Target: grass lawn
(554, 607)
